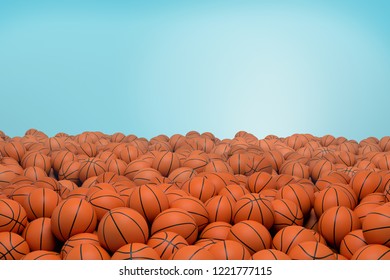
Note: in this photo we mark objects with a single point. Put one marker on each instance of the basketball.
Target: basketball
(216, 231)
(270, 254)
(200, 187)
(166, 243)
(41, 202)
(135, 251)
(87, 251)
(91, 167)
(192, 252)
(166, 162)
(311, 250)
(149, 201)
(352, 242)
(335, 223)
(39, 236)
(254, 207)
(219, 208)
(259, 181)
(42, 255)
(286, 213)
(372, 252)
(13, 217)
(72, 216)
(178, 221)
(229, 250)
(286, 238)
(80, 238)
(376, 226)
(297, 194)
(12, 246)
(103, 201)
(365, 182)
(182, 174)
(253, 235)
(195, 207)
(331, 197)
(69, 170)
(233, 192)
(121, 226)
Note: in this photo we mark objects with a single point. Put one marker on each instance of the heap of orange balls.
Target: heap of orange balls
(194, 196)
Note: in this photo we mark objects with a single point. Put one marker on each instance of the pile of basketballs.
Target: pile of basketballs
(193, 196)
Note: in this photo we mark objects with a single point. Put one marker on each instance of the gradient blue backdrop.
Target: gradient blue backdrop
(152, 67)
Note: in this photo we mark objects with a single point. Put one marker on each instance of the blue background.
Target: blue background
(153, 67)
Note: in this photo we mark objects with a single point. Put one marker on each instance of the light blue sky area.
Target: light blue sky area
(153, 67)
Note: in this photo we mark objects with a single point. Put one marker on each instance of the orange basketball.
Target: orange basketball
(166, 243)
(270, 254)
(41, 202)
(146, 176)
(87, 251)
(117, 166)
(319, 168)
(297, 194)
(69, 170)
(98, 187)
(13, 217)
(182, 174)
(352, 242)
(205, 243)
(296, 169)
(259, 181)
(35, 173)
(229, 250)
(311, 250)
(166, 162)
(365, 182)
(216, 231)
(253, 235)
(240, 163)
(335, 223)
(196, 161)
(60, 158)
(15, 150)
(36, 159)
(195, 207)
(218, 166)
(331, 197)
(12, 246)
(220, 180)
(104, 201)
(287, 213)
(372, 252)
(363, 209)
(72, 216)
(234, 192)
(48, 183)
(91, 167)
(107, 177)
(149, 201)
(200, 187)
(80, 238)
(39, 236)
(254, 207)
(135, 251)
(136, 166)
(219, 208)
(121, 226)
(376, 226)
(192, 252)
(42, 255)
(176, 220)
(286, 238)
